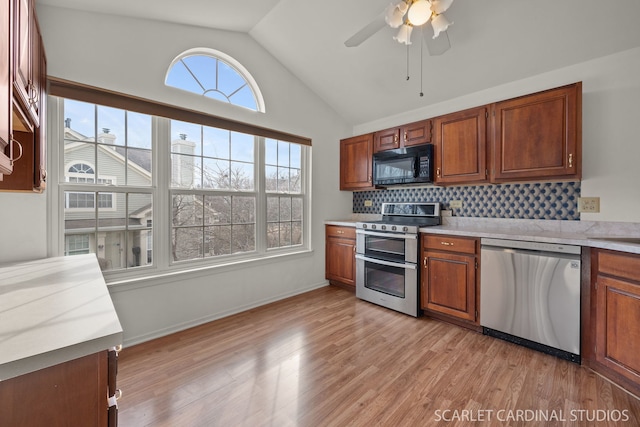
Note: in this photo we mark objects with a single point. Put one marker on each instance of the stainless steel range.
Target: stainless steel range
(387, 270)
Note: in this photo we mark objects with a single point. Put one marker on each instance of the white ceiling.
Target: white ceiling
(492, 42)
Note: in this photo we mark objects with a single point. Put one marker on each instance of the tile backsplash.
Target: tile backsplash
(549, 200)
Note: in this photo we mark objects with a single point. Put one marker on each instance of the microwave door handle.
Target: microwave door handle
(416, 166)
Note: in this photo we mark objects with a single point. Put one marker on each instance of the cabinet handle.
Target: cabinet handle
(438, 172)
(339, 231)
(15, 159)
(33, 94)
(395, 139)
(113, 400)
(117, 348)
(405, 136)
(446, 243)
(370, 178)
(571, 160)
(425, 262)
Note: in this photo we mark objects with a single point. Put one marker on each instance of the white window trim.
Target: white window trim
(162, 266)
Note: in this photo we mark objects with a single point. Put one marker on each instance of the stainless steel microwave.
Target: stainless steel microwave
(403, 166)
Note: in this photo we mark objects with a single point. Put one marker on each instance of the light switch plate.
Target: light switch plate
(589, 204)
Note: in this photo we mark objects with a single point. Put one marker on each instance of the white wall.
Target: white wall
(23, 233)
(132, 56)
(610, 137)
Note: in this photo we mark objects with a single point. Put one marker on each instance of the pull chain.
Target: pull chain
(421, 60)
(407, 62)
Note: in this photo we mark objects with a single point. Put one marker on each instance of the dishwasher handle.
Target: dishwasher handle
(531, 247)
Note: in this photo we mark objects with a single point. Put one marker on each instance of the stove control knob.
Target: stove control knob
(384, 227)
(364, 225)
(394, 228)
(405, 229)
(373, 227)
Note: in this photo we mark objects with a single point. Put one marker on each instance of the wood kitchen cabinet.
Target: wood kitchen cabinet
(461, 147)
(538, 136)
(356, 163)
(22, 99)
(449, 277)
(615, 304)
(73, 393)
(340, 251)
(408, 135)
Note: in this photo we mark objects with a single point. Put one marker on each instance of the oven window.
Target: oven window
(383, 278)
(388, 248)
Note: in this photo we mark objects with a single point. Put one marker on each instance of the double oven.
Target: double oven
(387, 251)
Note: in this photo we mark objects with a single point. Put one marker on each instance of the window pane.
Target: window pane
(185, 137)
(216, 142)
(139, 255)
(285, 234)
(184, 172)
(271, 178)
(283, 153)
(216, 173)
(245, 98)
(138, 167)
(180, 77)
(295, 181)
(283, 180)
(243, 238)
(273, 209)
(80, 121)
(296, 233)
(229, 81)
(217, 240)
(187, 210)
(186, 243)
(295, 155)
(271, 152)
(111, 126)
(140, 207)
(77, 244)
(241, 176)
(217, 210)
(273, 235)
(285, 209)
(203, 68)
(139, 130)
(242, 147)
(296, 209)
(243, 210)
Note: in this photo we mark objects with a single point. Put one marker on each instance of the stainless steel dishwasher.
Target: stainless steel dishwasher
(530, 295)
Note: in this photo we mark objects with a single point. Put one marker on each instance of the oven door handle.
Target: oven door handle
(389, 263)
(389, 235)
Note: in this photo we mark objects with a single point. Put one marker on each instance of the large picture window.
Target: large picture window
(143, 190)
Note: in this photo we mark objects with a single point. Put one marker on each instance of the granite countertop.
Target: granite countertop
(53, 310)
(597, 234)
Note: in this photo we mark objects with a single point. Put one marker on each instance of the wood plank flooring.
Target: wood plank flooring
(326, 358)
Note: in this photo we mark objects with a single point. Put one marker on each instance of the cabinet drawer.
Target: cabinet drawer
(619, 264)
(449, 243)
(339, 231)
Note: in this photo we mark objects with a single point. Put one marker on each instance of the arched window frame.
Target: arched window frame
(106, 201)
(229, 61)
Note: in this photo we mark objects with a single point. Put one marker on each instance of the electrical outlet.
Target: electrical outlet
(368, 203)
(446, 212)
(455, 204)
(589, 204)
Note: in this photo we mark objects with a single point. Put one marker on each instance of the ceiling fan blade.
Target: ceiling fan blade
(436, 46)
(367, 31)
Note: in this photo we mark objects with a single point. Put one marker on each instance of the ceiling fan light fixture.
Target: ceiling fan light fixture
(394, 15)
(439, 23)
(404, 34)
(419, 12)
(440, 6)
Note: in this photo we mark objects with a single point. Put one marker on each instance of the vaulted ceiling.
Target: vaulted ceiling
(492, 42)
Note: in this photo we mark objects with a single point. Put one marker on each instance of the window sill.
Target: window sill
(157, 277)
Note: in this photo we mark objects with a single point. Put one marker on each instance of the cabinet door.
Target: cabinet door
(387, 139)
(356, 163)
(340, 255)
(449, 284)
(417, 133)
(538, 136)
(5, 86)
(24, 89)
(461, 147)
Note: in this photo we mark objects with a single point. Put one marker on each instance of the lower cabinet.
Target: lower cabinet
(340, 251)
(74, 393)
(449, 279)
(615, 300)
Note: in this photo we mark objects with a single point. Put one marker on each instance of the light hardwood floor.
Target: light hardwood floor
(325, 358)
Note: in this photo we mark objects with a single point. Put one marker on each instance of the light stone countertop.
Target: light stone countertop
(53, 310)
(596, 234)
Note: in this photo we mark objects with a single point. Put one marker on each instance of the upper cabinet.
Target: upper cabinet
(22, 99)
(538, 136)
(356, 163)
(460, 141)
(405, 136)
(6, 166)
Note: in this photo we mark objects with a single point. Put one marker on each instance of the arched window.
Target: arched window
(215, 75)
(84, 173)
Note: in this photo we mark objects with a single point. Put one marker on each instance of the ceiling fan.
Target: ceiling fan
(407, 14)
